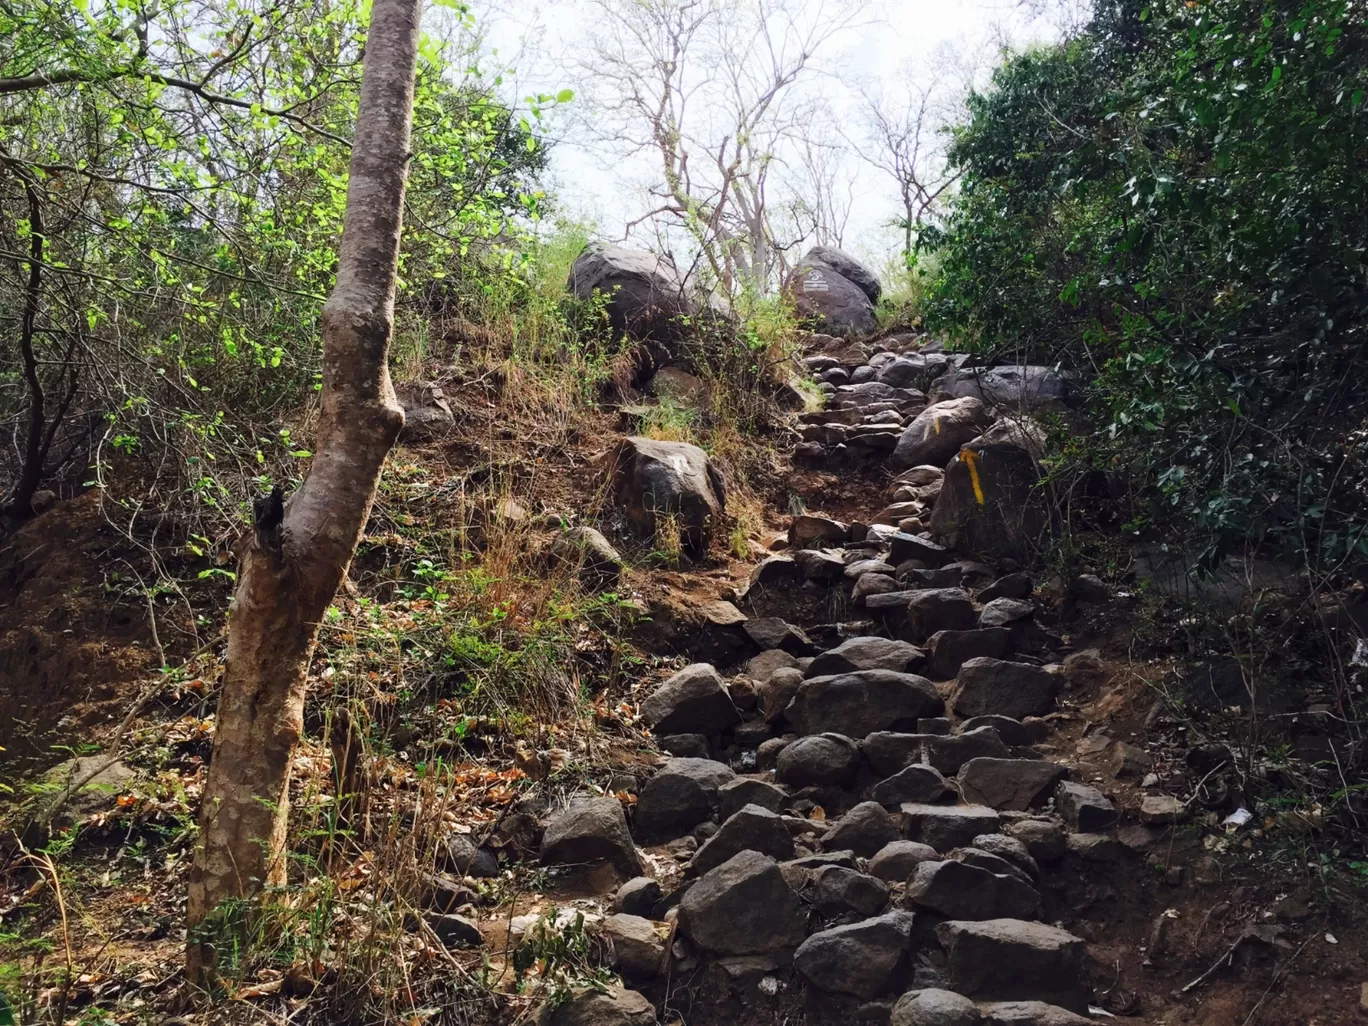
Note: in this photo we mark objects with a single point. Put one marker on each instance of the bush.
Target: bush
(1170, 203)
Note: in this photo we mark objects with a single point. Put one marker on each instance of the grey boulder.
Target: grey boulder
(589, 831)
(693, 701)
(743, 907)
(865, 959)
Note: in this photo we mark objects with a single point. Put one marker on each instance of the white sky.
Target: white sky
(541, 39)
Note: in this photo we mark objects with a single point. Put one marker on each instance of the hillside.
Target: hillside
(420, 607)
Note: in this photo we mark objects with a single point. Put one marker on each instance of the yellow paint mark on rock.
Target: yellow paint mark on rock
(971, 461)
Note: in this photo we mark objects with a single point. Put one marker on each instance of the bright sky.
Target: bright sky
(542, 39)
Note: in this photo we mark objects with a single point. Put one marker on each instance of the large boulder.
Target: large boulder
(644, 295)
(865, 830)
(1084, 808)
(1012, 959)
(995, 686)
(849, 268)
(860, 703)
(680, 796)
(589, 831)
(822, 295)
(1020, 387)
(1031, 1013)
(938, 432)
(865, 959)
(842, 891)
(693, 701)
(427, 414)
(918, 783)
(947, 827)
(949, 650)
(898, 860)
(638, 949)
(743, 907)
(989, 503)
(654, 481)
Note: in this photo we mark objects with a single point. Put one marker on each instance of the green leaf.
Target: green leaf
(565, 96)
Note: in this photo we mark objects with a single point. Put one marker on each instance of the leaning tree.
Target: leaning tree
(292, 564)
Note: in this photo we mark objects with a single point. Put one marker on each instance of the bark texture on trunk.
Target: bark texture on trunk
(290, 572)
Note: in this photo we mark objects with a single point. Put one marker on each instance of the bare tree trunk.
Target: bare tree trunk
(291, 568)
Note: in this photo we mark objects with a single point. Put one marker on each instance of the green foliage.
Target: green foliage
(188, 164)
(1171, 204)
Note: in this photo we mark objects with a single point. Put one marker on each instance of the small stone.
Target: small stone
(638, 949)
(897, 860)
(1127, 762)
(1084, 808)
(946, 827)
(865, 830)
(919, 783)
(455, 931)
(1046, 841)
(1161, 809)
(637, 897)
(933, 1007)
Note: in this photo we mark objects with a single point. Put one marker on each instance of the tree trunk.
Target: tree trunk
(291, 568)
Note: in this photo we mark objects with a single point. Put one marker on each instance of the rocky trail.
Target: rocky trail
(875, 772)
(901, 816)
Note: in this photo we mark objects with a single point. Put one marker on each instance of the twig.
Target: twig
(1225, 958)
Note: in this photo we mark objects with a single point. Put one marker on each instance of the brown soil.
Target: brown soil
(73, 639)
(74, 646)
